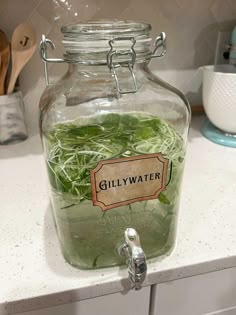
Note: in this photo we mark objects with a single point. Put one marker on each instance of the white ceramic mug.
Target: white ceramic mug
(219, 96)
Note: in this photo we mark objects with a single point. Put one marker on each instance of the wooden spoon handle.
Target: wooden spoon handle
(5, 57)
(11, 84)
(23, 44)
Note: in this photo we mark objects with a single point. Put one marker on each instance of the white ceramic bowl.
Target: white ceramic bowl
(219, 96)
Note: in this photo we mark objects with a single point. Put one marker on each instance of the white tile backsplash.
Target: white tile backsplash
(223, 10)
(40, 24)
(191, 27)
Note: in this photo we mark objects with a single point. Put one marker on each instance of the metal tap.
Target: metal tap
(135, 258)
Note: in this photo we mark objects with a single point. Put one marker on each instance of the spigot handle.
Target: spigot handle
(135, 257)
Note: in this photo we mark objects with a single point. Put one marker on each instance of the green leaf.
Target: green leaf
(88, 131)
(163, 199)
(145, 133)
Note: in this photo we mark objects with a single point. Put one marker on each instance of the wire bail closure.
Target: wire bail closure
(43, 54)
(113, 65)
(160, 41)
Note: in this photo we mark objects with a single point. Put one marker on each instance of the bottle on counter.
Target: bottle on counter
(114, 138)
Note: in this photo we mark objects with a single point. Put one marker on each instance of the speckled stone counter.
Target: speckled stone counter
(33, 273)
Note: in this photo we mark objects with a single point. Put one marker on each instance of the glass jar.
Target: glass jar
(114, 138)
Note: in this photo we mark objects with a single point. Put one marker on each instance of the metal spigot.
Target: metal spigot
(135, 258)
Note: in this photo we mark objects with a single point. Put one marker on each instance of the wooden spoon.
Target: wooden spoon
(23, 45)
(5, 57)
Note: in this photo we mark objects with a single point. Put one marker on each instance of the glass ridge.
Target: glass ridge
(89, 42)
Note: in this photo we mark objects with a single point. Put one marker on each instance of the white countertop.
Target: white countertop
(33, 273)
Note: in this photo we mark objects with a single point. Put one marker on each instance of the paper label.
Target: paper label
(122, 181)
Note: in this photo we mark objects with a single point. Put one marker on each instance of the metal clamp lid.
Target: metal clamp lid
(43, 54)
(112, 60)
(160, 41)
(129, 64)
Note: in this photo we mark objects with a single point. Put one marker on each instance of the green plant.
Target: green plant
(74, 149)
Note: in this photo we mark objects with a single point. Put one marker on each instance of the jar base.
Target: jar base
(119, 262)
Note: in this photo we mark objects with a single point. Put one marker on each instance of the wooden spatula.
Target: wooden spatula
(5, 57)
(23, 45)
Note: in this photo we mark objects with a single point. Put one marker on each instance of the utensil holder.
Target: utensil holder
(12, 122)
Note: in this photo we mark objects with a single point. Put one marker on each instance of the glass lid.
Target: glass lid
(96, 38)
